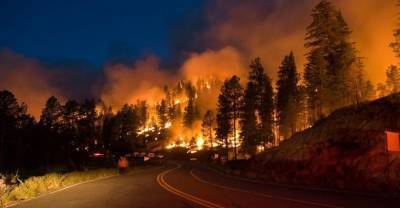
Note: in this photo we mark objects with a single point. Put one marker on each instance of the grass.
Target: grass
(34, 186)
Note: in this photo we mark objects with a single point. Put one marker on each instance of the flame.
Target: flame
(168, 125)
(200, 143)
(145, 130)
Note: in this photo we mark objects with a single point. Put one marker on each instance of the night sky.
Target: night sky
(92, 31)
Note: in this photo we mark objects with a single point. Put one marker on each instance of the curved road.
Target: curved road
(177, 185)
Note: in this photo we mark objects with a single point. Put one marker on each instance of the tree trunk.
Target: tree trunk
(211, 139)
(234, 129)
(226, 148)
(1, 151)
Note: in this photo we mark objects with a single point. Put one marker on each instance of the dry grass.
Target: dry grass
(34, 186)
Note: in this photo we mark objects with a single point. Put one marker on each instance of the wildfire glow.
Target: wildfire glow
(168, 125)
(200, 143)
(170, 146)
(146, 130)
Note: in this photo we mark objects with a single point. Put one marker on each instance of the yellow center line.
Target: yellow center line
(161, 181)
(260, 194)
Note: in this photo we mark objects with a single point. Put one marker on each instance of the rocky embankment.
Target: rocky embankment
(346, 150)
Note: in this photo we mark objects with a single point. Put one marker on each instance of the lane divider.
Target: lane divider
(260, 194)
(161, 181)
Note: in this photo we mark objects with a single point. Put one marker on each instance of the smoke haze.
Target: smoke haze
(231, 33)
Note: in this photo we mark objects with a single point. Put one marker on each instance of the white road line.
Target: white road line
(261, 194)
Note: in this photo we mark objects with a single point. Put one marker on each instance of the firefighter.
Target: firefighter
(122, 165)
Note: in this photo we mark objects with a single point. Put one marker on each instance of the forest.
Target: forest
(248, 115)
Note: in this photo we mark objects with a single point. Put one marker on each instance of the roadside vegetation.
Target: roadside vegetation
(37, 185)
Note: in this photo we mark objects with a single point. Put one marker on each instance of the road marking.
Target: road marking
(261, 194)
(161, 181)
(287, 185)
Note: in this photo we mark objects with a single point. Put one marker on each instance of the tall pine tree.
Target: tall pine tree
(208, 127)
(287, 96)
(229, 107)
(330, 61)
(248, 121)
(264, 101)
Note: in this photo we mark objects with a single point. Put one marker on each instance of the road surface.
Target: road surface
(176, 185)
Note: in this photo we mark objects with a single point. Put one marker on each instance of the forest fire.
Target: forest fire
(303, 93)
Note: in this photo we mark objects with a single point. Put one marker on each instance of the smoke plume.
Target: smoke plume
(27, 79)
(128, 84)
(221, 41)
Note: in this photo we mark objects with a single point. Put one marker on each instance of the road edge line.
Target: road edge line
(67, 187)
(260, 194)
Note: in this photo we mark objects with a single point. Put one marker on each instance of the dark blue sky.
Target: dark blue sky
(90, 30)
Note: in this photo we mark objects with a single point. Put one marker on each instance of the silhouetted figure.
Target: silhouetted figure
(122, 165)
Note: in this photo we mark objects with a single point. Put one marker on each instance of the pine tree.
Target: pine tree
(224, 125)
(208, 126)
(141, 109)
(362, 89)
(287, 96)
(302, 108)
(314, 74)
(395, 45)
(88, 124)
(51, 114)
(11, 114)
(393, 79)
(128, 125)
(229, 107)
(329, 60)
(162, 113)
(248, 122)
(264, 101)
(266, 113)
(190, 113)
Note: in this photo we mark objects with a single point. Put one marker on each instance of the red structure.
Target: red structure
(392, 141)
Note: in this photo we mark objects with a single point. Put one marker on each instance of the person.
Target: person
(122, 165)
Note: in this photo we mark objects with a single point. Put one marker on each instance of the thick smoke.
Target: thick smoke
(33, 81)
(271, 29)
(219, 64)
(27, 79)
(372, 23)
(221, 42)
(128, 84)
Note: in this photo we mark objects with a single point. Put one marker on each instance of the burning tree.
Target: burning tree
(208, 127)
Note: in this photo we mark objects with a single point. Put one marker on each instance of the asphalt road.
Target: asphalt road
(176, 185)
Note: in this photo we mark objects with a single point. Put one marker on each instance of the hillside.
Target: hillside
(346, 150)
